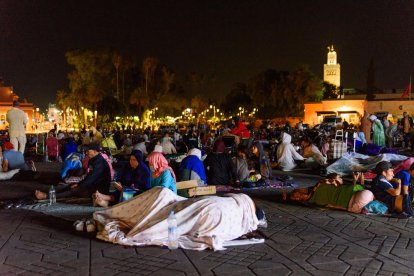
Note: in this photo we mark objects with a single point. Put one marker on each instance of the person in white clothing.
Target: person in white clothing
(17, 120)
(286, 153)
(167, 146)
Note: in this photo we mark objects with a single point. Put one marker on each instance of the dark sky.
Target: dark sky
(230, 39)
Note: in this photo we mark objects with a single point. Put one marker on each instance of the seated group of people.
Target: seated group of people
(218, 168)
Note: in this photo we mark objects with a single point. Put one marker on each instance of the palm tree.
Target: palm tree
(140, 99)
(149, 66)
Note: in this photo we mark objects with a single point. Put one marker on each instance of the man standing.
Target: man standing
(17, 127)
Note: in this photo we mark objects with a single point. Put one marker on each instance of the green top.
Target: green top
(338, 196)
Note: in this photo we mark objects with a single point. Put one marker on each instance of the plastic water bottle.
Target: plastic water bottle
(52, 195)
(172, 231)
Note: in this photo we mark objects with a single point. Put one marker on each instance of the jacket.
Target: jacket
(220, 169)
(98, 177)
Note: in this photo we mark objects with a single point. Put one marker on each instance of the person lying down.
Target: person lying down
(203, 222)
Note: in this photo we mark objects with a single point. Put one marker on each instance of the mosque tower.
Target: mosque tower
(332, 70)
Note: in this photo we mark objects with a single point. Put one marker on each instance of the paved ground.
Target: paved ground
(302, 241)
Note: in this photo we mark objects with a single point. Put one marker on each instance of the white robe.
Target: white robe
(286, 154)
(204, 222)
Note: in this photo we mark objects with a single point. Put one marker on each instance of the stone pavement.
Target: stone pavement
(302, 241)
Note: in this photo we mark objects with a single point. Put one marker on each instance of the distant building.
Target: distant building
(352, 107)
(352, 104)
(332, 69)
(7, 96)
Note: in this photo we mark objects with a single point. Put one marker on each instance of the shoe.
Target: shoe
(262, 223)
(79, 225)
(90, 226)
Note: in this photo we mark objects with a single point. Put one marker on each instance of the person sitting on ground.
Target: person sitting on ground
(219, 166)
(314, 158)
(98, 178)
(258, 162)
(286, 153)
(240, 130)
(387, 189)
(241, 165)
(167, 146)
(133, 178)
(141, 146)
(192, 168)
(13, 159)
(406, 176)
(162, 175)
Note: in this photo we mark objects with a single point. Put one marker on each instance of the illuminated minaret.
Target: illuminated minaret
(332, 70)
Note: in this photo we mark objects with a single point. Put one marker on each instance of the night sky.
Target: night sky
(230, 39)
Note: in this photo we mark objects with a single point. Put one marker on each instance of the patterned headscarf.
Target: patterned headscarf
(160, 164)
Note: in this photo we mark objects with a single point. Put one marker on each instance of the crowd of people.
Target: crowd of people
(114, 167)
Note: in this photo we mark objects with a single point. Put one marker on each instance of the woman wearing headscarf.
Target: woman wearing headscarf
(162, 175)
(378, 130)
(133, 178)
(286, 153)
(193, 168)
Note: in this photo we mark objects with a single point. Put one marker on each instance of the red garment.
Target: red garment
(241, 130)
(53, 147)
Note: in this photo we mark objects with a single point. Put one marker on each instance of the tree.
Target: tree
(140, 99)
(149, 66)
(330, 91)
(281, 93)
(237, 97)
(92, 74)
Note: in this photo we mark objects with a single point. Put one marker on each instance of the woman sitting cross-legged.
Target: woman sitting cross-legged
(133, 179)
(162, 175)
(192, 168)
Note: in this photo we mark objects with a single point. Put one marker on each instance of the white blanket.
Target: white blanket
(204, 222)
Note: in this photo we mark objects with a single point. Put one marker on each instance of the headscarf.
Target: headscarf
(372, 117)
(160, 164)
(195, 152)
(219, 146)
(139, 176)
(193, 162)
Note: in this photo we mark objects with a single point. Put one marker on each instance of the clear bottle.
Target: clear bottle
(172, 231)
(52, 195)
